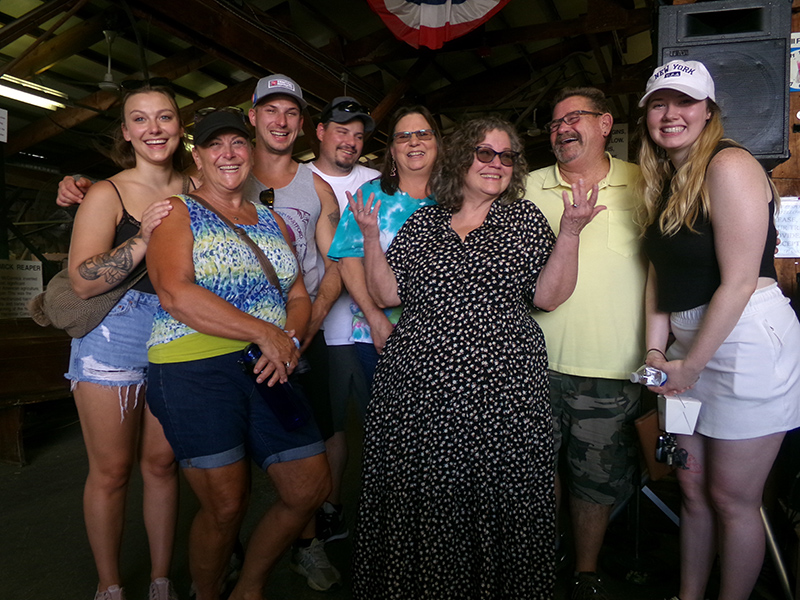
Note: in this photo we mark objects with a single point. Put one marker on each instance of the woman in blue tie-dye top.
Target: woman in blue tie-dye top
(402, 188)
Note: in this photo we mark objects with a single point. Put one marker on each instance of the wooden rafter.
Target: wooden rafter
(70, 42)
(66, 118)
(231, 37)
(379, 48)
(31, 21)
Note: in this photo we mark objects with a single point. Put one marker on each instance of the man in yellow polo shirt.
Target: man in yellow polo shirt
(595, 339)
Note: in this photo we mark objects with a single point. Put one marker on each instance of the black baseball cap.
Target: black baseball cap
(344, 109)
(207, 126)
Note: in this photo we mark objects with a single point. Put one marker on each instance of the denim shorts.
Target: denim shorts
(213, 416)
(115, 352)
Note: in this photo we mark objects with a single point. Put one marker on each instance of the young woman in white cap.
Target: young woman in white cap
(710, 238)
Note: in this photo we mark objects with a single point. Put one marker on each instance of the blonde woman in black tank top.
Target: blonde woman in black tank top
(710, 239)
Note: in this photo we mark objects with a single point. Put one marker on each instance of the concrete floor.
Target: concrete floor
(44, 553)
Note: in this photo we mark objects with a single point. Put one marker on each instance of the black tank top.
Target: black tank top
(686, 263)
(126, 229)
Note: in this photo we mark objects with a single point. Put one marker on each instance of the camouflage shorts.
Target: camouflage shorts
(593, 420)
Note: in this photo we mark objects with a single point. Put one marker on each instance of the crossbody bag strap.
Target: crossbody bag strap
(266, 265)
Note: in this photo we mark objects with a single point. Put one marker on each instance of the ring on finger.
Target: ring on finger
(287, 364)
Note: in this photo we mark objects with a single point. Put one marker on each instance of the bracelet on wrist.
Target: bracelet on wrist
(655, 350)
(295, 340)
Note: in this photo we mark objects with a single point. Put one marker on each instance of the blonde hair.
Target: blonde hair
(688, 198)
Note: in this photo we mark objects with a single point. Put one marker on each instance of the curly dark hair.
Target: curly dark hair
(389, 182)
(458, 155)
(122, 151)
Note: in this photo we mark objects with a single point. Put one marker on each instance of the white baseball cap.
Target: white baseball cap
(688, 76)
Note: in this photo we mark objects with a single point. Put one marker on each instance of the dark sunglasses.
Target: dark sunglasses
(202, 113)
(131, 85)
(267, 198)
(347, 106)
(486, 155)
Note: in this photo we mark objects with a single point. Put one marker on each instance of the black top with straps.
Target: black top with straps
(686, 263)
(129, 227)
(126, 229)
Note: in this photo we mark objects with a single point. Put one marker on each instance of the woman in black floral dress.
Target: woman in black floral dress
(457, 497)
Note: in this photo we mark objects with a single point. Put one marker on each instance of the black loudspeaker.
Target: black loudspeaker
(744, 44)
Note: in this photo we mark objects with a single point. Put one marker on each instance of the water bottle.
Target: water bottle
(648, 376)
(285, 400)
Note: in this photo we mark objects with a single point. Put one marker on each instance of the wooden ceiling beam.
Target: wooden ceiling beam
(31, 20)
(213, 26)
(231, 96)
(386, 106)
(67, 118)
(70, 42)
(378, 48)
(484, 89)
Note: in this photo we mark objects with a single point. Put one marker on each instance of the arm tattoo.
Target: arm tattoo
(334, 218)
(113, 266)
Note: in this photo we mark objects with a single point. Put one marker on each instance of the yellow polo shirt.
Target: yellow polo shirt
(599, 330)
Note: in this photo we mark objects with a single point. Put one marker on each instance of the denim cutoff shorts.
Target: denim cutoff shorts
(115, 352)
(213, 416)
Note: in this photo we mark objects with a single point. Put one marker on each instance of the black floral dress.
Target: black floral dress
(457, 498)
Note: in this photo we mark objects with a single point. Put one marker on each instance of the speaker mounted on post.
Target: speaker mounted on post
(744, 44)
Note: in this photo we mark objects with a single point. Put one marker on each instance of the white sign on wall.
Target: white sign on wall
(20, 281)
(787, 222)
(618, 144)
(3, 125)
(794, 63)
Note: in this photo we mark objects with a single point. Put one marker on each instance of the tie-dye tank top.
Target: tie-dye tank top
(226, 266)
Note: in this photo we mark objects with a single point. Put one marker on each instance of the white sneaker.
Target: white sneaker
(161, 589)
(313, 564)
(114, 592)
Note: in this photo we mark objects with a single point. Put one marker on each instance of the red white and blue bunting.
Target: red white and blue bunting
(431, 23)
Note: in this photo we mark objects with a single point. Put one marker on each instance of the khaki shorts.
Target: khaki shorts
(593, 421)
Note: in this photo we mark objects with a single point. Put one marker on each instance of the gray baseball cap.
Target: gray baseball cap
(278, 84)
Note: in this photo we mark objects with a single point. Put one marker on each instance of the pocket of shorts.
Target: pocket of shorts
(123, 306)
(623, 233)
(756, 362)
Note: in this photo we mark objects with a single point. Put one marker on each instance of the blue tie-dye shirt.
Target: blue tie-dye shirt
(348, 241)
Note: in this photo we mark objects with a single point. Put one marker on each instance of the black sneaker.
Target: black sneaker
(587, 586)
(330, 523)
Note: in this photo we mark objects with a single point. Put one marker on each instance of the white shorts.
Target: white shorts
(751, 386)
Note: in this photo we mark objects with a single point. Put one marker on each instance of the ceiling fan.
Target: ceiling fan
(108, 84)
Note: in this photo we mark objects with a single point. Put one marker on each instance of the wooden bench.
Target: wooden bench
(33, 361)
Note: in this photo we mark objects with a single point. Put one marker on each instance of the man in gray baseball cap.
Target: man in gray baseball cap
(311, 213)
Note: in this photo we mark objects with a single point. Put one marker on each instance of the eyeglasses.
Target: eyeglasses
(131, 85)
(486, 155)
(202, 113)
(569, 119)
(267, 197)
(423, 135)
(347, 106)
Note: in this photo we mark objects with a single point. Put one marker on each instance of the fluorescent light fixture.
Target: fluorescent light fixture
(30, 97)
